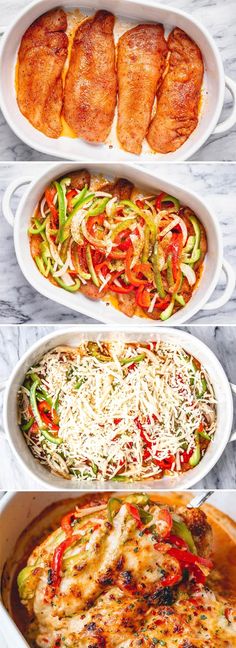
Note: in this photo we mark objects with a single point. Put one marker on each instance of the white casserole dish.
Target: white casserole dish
(131, 10)
(213, 264)
(18, 510)
(75, 335)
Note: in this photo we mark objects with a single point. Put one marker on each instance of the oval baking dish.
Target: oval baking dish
(135, 12)
(213, 263)
(74, 336)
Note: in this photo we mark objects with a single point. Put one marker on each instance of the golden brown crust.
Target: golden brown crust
(179, 95)
(121, 188)
(142, 53)
(42, 54)
(90, 87)
(80, 178)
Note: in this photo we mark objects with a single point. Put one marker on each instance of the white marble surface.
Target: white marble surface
(21, 304)
(15, 340)
(217, 16)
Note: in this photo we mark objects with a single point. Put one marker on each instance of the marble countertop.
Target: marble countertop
(15, 340)
(21, 304)
(219, 18)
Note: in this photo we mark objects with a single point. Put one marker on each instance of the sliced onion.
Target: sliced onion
(67, 279)
(75, 225)
(184, 230)
(54, 253)
(102, 194)
(177, 221)
(110, 207)
(151, 307)
(189, 273)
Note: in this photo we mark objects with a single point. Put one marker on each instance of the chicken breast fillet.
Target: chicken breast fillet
(119, 582)
(90, 87)
(179, 95)
(142, 53)
(42, 54)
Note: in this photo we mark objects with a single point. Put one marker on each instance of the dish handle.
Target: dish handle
(233, 434)
(230, 121)
(7, 196)
(229, 288)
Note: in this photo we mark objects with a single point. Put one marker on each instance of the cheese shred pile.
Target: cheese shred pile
(126, 411)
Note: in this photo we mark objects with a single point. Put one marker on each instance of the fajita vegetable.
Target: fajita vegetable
(144, 254)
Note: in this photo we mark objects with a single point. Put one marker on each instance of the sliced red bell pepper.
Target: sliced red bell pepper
(58, 558)
(48, 415)
(95, 220)
(197, 573)
(135, 514)
(123, 288)
(70, 194)
(140, 203)
(165, 464)
(129, 273)
(166, 522)
(175, 248)
(159, 199)
(143, 297)
(67, 521)
(187, 558)
(177, 541)
(172, 579)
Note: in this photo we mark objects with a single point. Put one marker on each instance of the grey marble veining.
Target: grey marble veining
(21, 304)
(220, 20)
(15, 340)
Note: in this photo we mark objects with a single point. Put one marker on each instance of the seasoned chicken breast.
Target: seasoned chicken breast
(142, 53)
(121, 188)
(90, 87)
(125, 569)
(179, 95)
(42, 54)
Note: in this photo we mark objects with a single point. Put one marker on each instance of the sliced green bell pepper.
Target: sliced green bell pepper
(170, 277)
(181, 530)
(138, 358)
(89, 260)
(168, 311)
(172, 199)
(40, 227)
(204, 388)
(73, 288)
(61, 208)
(196, 456)
(27, 425)
(145, 253)
(157, 275)
(98, 207)
(179, 299)
(196, 253)
(95, 351)
(53, 439)
(113, 507)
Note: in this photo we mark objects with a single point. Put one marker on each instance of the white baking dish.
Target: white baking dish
(213, 264)
(74, 336)
(136, 11)
(18, 510)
